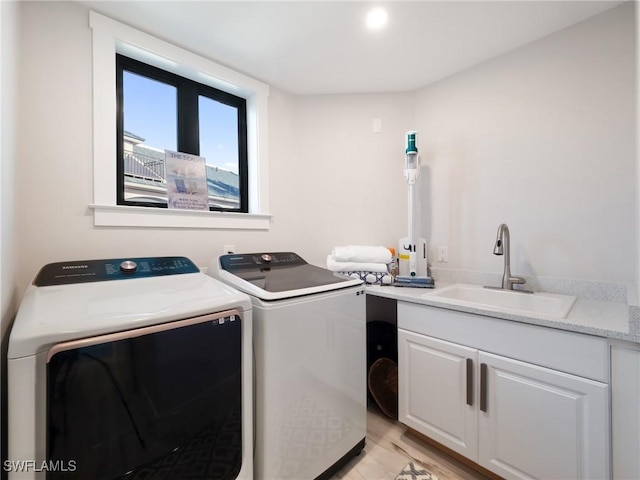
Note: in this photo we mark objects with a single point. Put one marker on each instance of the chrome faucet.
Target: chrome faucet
(503, 247)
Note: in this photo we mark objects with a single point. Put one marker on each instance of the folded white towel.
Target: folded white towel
(335, 266)
(362, 253)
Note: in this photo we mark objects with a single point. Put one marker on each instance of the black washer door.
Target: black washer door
(162, 405)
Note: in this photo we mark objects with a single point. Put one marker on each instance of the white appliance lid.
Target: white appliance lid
(278, 275)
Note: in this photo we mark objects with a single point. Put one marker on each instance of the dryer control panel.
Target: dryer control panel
(86, 271)
(234, 262)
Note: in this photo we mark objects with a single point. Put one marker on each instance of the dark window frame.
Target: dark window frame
(188, 130)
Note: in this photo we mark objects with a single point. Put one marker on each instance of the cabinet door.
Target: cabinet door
(625, 409)
(436, 390)
(540, 423)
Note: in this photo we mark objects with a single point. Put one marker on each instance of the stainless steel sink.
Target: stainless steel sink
(542, 305)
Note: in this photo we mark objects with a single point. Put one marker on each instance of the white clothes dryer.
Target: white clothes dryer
(130, 369)
(310, 354)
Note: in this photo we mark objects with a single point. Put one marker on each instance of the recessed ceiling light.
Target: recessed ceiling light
(377, 18)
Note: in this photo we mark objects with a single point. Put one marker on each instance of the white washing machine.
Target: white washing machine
(310, 354)
(130, 369)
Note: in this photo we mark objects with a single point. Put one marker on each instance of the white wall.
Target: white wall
(637, 19)
(8, 128)
(349, 178)
(543, 139)
(324, 163)
(8, 108)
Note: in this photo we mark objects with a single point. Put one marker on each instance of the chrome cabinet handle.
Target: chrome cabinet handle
(469, 382)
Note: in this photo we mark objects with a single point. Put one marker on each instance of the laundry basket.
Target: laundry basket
(383, 385)
(382, 369)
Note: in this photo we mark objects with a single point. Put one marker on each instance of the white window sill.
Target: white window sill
(127, 216)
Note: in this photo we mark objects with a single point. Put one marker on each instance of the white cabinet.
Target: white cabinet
(513, 417)
(625, 410)
(540, 423)
(436, 394)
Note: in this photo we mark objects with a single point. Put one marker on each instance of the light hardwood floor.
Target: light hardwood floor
(390, 446)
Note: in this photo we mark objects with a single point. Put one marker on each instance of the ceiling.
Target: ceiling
(324, 47)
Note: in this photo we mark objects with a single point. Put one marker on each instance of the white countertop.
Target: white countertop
(594, 317)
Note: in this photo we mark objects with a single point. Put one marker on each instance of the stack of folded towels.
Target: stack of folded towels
(369, 263)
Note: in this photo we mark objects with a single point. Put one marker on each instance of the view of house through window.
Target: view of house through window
(158, 110)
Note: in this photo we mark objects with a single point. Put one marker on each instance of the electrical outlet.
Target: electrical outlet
(443, 254)
(227, 249)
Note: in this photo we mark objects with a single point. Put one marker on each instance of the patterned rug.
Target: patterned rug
(415, 471)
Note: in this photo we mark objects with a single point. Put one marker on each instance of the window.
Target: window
(112, 38)
(159, 110)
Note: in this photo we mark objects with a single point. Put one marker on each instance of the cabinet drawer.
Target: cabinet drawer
(575, 353)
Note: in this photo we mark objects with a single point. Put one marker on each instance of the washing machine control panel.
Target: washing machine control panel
(65, 273)
(257, 261)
